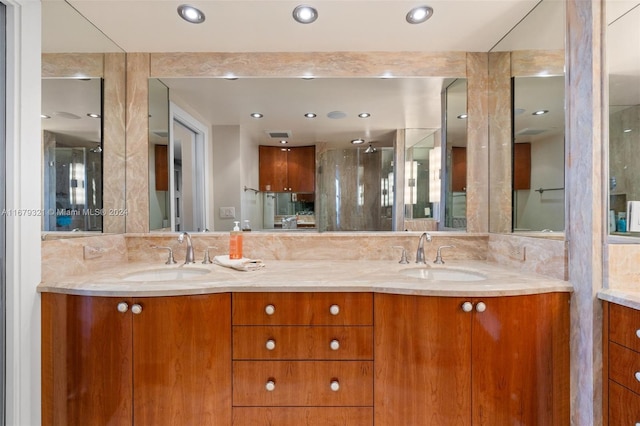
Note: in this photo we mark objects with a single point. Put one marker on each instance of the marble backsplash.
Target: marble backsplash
(623, 261)
(63, 257)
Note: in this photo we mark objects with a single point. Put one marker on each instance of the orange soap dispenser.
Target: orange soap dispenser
(235, 242)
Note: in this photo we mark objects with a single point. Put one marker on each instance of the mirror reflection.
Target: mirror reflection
(456, 160)
(319, 156)
(623, 57)
(538, 154)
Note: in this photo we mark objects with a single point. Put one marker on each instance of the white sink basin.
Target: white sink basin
(166, 274)
(444, 274)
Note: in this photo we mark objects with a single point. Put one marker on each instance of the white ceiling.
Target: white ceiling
(351, 25)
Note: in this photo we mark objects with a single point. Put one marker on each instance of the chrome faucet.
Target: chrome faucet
(420, 252)
(439, 260)
(190, 257)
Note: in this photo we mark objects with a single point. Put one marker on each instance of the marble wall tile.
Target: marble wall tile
(137, 151)
(319, 64)
(624, 272)
(526, 63)
(543, 256)
(477, 142)
(68, 65)
(420, 225)
(71, 256)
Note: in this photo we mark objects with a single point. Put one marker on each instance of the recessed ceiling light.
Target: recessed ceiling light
(357, 141)
(627, 130)
(45, 116)
(311, 115)
(419, 14)
(540, 112)
(364, 115)
(93, 115)
(256, 115)
(462, 116)
(190, 14)
(305, 14)
(284, 142)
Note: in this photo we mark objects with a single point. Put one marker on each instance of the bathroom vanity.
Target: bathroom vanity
(345, 343)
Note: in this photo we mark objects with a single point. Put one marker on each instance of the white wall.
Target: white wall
(227, 181)
(536, 211)
(251, 202)
(24, 191)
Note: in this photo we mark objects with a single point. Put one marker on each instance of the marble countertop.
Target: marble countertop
(324, 276)
(625, 297)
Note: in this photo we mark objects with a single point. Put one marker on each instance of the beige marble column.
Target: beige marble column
(584, 231)
(477, 142)
(137, 128)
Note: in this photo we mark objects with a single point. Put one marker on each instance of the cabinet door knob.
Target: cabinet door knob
(467, 306)
(269, 309)
(136, 309)
(335, 385)
(123, 307)
(335, 344)
(638, 336)
(481, 307)
(637, 375)
(334, 309)
(270, 385)
(271, 344)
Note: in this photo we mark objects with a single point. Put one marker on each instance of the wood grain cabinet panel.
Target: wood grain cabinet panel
(458, 169)
(624, 406)
(522, 165)
(287, 169)
(504, 362)
(625, 329)
(104, 365)
(303, 416)
(272, 169)
(303, 342)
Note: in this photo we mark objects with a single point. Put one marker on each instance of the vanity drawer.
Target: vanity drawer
(303, 416)
(624, 406)
(302, 309)
(303, 342)
(624, 326)
(303, 383)
(624, 367)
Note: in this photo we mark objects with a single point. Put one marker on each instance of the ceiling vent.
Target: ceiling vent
(279, 134)
(530, 132)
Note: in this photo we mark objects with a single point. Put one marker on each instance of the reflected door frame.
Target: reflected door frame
(200, 174)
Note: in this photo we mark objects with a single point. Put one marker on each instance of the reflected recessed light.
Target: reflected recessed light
(256, 115)
(419, 14)
(627, 130)
(305, 14)
(45, 116)
(386, 75)
(357, 141)
(93, 115)
(364, 115)
(190, 14)
(462, 116)
(310, 115)
(230, 76)
(308, 77)
(284, 142)
(540, 112)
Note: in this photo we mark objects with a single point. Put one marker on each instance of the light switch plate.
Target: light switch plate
(227, 212)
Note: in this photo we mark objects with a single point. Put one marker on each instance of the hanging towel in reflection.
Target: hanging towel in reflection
(243, 264)
(633, 216)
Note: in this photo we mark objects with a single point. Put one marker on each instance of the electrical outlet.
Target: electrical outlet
(227, 212)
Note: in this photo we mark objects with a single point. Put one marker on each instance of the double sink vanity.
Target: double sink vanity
(300, 341)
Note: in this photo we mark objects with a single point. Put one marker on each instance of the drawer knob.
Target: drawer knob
(270, 309)
(481, 307)
(637, 375)
(136, 309)
(467, 307)
(271, 344)
(334, 309)
(335, 385)
(270, 385)
(335, 344)
(123, 307)
(638, 336)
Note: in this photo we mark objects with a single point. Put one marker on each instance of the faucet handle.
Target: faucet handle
(170, 259)
(439, 260)
(403, 257)
(207, 258)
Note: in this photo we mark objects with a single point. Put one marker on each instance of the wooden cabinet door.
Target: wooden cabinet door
(86, 361)
(301, 169)
(422, 361)
(520, 358)
(182, 360)
(522, 165)
(459, 169)
(273, 169)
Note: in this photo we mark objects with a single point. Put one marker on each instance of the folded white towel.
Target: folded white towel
(243, 264)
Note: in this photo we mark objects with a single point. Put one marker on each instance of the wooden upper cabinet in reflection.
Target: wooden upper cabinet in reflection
(459, 169)
(287, 169)
(521, 166)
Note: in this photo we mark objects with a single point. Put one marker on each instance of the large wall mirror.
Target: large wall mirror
(623, 58)
(82, 125)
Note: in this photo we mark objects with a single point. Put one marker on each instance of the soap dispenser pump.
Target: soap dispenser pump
(235, 242)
